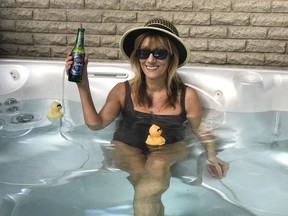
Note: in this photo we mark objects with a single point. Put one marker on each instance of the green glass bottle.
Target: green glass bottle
(78, 54)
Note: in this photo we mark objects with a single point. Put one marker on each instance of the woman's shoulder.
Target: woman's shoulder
(192, 102)
(191, 92)
(120, 88)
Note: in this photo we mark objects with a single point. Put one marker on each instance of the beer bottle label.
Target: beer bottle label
(78, 64)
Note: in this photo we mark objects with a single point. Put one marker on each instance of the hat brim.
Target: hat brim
(128, 39)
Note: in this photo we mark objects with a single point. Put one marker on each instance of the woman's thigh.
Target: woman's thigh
(167, 155)
(133, 160)
(128, 158)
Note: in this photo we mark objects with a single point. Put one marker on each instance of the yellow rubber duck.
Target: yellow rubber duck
(55, 110)
(154, 138)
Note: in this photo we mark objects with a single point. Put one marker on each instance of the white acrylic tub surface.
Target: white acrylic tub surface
(53, 167)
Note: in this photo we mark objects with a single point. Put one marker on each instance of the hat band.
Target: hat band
(162, 27)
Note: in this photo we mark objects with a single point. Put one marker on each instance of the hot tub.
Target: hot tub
(57, 167)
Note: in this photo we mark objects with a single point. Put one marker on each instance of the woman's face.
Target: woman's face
(152, 67)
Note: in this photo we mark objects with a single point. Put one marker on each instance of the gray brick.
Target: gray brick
(33, 3)
(279, 60)
(122, 58)
(36, 51)
(91, 40)
(122, 28)
(144, 16)
(50, 39)
(102, 4)
(72, 38)
(212, 5)
(84, 16)
(110, 41)
(269, 20)
(7, 25)
(8, 3)
(72, 27)
(247, 32)
(100, 28)
(17, 38)
(208, 32)
(60, 51)
(230, 19)
(208, 57)
(278, 33)
(196, 44)
(16, 13)
(280, 6)
(103, 53)
(40, 26)
(8, 49)
(68, 4)
(245, 59)
(227, 45)
(51, 14)
(138, 5)
(183, 30)
(252, 5)
(263, 46)
(119, 17)
(172, 5)
(192, 18)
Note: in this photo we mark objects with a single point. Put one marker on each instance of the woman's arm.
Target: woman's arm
(217, 167)
(93, 119)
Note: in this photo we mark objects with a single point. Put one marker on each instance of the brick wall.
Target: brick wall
(230, 32)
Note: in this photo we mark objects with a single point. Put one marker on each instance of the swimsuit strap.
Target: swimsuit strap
(128, 101)
(182, 100)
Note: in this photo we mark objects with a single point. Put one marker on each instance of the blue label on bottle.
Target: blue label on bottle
(78, 64)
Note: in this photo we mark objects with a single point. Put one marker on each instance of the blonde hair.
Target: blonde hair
(173, 82)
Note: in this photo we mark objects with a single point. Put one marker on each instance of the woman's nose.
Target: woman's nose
(151, 58)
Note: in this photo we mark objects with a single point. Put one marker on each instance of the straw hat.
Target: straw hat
(159, 25)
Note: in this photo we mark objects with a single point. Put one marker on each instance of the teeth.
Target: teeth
(152, 67)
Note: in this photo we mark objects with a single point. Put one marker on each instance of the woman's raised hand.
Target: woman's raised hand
(68, 65)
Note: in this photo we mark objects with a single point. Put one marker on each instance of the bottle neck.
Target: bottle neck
(80, 38)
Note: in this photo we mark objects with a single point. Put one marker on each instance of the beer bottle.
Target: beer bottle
(78, 54)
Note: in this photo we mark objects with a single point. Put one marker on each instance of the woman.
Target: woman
(156, 95)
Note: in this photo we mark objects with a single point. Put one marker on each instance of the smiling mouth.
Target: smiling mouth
(151, 67)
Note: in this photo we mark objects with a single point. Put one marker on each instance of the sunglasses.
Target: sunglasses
(157, 53)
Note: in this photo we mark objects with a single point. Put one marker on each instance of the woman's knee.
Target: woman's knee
(158, 166)
(151, 187)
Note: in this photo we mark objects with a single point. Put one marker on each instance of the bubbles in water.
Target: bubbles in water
(24, 118)
(10, 101)
(13, 109)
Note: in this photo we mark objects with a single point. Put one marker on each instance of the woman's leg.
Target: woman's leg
(149, 174)
(155, 178)
(129, 159)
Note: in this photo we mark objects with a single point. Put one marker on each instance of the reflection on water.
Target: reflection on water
(57, 168)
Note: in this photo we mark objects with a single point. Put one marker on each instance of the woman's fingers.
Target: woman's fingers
(218, 170)
(69, 62)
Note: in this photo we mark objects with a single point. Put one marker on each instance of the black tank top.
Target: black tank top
(133, 126)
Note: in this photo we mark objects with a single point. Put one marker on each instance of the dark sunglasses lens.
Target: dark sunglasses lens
(143, 53)
(158, 53)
